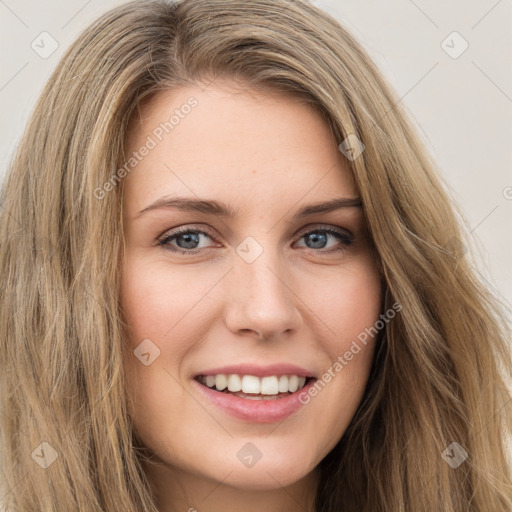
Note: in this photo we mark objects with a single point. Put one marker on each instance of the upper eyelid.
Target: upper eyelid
(321, 226)
(184, 229)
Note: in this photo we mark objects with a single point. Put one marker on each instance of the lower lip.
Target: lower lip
(255, 411)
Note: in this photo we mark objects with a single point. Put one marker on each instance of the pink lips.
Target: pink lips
(256, 411)
(260, 371)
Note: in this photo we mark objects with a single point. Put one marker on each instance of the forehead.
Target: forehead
(232, 143)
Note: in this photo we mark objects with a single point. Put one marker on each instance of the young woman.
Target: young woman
(232, 280)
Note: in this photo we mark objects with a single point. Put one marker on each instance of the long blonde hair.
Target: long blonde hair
(440, 373)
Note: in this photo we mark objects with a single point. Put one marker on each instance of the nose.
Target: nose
(261, 299)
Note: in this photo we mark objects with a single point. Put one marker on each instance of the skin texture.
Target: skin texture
(265, 154)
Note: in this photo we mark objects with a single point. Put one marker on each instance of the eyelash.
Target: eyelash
(343, 237)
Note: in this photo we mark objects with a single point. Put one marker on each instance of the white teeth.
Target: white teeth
(293, 383)
(269, 386)
(249, 384)
(221, 382)
(234, 383)
(283, 384)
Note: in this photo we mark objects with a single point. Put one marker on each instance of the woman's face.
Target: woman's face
(252, 292)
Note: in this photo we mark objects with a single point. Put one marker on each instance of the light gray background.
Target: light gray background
(461, 106)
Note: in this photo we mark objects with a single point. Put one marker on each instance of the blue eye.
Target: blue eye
(320, 237)
(186, 240)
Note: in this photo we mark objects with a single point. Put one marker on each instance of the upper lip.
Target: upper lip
(259, 371)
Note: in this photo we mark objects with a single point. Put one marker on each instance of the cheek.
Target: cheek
(153, 303)
(156, 299)
(349, 306)
(349, 302)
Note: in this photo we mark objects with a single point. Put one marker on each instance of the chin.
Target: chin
(281, 470)
(265, 479)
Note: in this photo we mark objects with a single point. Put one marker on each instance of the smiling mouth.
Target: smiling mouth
(251, 387)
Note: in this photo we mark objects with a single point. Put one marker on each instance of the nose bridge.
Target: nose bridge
(262, 299)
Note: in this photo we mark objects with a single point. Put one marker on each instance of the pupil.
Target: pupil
(319, 240)
(190, 239)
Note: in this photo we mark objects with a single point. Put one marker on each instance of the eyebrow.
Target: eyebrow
(219, 209)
